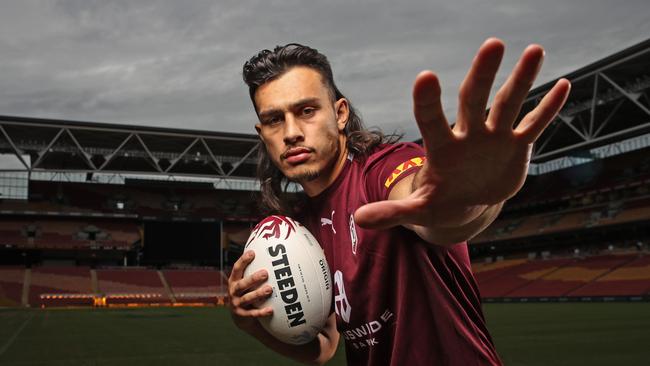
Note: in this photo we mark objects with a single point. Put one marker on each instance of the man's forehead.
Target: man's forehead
(299, 83)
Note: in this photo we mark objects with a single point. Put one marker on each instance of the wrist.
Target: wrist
(456, 234)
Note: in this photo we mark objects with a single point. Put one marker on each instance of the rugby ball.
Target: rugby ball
(299, 275)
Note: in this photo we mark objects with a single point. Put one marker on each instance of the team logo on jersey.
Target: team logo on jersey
(325, 221)
(341, 304)
(353, 235)
(411, 163)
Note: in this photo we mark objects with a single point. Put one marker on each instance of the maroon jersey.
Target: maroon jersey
(398, 299)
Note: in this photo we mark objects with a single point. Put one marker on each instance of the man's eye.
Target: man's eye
(308, 111)
(271, 120)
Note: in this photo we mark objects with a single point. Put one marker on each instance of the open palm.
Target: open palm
(483, 160)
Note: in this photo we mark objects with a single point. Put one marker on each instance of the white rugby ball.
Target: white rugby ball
(300, 277)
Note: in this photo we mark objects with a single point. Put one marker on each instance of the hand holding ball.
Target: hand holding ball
(299, 275)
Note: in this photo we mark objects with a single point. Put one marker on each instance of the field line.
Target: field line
(15, 335)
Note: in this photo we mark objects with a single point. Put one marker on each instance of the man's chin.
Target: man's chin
(303, 176)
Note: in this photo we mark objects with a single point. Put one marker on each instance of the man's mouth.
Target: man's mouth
(297, 155)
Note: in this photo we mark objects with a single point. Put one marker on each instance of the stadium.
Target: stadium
(116, 241)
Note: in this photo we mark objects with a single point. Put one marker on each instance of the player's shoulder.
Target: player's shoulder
(384, 152)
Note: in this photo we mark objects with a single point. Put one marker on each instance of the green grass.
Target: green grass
(525, 334)
(571, 333)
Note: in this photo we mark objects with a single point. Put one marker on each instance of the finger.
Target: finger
(475, 89)
(248, 282)
(253, 313)
(257, 295)
(240, 265)
(386, 214)
(535, 122)
(510, 97)
(428, 112)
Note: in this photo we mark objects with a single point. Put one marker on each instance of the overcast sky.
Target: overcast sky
(178, 63)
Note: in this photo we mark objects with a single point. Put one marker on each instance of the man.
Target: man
(393, 219)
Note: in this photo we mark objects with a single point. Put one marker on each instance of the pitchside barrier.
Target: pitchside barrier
(567, 299)
(132, 300)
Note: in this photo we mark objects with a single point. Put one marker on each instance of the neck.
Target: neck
(321, 183)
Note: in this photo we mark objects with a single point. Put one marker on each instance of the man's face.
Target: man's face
(300, 124)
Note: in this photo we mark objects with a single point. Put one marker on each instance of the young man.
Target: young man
(393, 219)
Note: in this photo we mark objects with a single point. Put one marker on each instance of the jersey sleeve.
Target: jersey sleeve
(389, 165)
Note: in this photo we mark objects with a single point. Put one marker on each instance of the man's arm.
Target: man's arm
(471, 225)
(246, 291)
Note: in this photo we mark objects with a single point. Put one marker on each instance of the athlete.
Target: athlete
(393, 218)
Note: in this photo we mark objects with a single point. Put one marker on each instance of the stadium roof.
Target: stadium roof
(608, 103)
(47, 145)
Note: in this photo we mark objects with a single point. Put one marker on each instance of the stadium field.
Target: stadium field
(525, 334)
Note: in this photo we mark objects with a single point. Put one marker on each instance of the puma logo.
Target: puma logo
(325, 221)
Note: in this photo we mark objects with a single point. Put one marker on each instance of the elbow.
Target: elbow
(328, 341)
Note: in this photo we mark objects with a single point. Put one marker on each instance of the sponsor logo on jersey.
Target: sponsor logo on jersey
(353, 235)
(411, 163)
(341, 303)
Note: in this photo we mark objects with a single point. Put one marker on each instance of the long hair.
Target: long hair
(269, 65)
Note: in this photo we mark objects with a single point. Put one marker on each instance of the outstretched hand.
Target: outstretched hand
(483, 160)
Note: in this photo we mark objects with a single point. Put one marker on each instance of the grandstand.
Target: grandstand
(578, 230)
(119, 215)
(112, 215)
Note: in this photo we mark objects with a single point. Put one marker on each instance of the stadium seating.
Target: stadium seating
(599, 275)
(131, 285)
(568, 278)
(67, 234)
(633, 278)
(504, 284)
(11, 285)
(198, 285)
(155, 200)
(60, 281)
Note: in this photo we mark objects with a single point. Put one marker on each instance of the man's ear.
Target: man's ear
(342, 109)
(258, 128)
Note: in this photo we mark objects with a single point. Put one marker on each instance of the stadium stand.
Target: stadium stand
(58, 281)
(196, 285)
(131, 285)
(626, 274)
(157, 199)
(51, 233)
(11, 285)
(518, 276)
(632, 278)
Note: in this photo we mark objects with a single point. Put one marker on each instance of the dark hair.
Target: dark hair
(269, 65)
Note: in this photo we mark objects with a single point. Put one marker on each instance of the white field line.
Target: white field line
(15, 335)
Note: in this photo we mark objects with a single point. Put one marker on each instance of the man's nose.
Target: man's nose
(292, 131)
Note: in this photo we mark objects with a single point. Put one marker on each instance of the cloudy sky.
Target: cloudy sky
(178, 63)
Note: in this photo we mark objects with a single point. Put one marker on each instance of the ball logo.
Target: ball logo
(341, 304)
(286, 285)
(271, 228)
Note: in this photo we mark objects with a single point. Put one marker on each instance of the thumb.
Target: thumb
(385, 214)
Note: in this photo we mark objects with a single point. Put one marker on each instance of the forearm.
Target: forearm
(451, 235)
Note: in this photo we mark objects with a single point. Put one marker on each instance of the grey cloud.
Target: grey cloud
(178, 64)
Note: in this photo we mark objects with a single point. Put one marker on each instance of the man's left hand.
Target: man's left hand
(483, 160)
